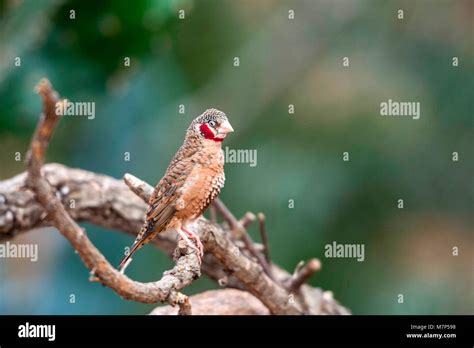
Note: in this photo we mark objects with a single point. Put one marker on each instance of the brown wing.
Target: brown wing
(162, 203)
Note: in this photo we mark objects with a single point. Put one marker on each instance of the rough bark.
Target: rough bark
(220, 302)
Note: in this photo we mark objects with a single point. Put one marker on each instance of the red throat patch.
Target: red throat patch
(208, 133)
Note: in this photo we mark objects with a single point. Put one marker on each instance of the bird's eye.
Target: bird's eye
(212, 123)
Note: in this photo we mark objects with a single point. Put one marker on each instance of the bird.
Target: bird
(193, 179)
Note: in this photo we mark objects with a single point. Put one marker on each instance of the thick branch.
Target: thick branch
(87, 196)
(250, 273)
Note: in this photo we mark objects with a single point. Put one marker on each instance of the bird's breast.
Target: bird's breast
(201, 187)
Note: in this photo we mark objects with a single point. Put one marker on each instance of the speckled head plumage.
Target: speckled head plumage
(211, 125)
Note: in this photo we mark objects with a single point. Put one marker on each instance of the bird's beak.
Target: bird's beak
(225, 128)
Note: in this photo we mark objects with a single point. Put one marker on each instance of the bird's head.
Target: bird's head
(212, 125)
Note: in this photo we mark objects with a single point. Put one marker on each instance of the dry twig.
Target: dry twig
(248, 219)
(264, 236)
(302, 274)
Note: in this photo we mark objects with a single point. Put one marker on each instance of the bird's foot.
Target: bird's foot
(193, 241)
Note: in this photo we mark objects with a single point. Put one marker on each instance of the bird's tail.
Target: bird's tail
(137, 245)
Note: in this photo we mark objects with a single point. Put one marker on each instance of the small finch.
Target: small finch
(192, 181)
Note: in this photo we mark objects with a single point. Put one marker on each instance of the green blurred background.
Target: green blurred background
(191, 62)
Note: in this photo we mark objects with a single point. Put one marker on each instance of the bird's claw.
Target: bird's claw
(194, 242)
